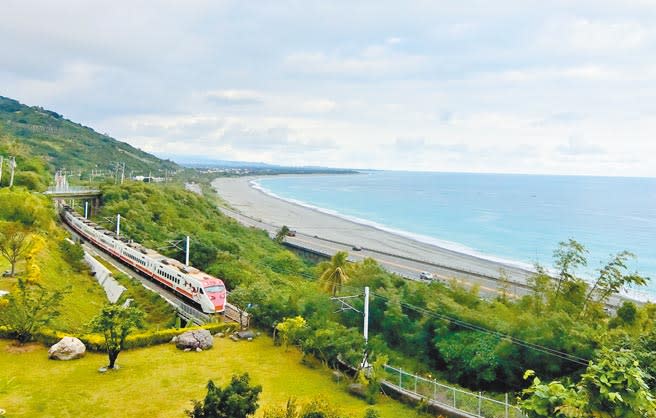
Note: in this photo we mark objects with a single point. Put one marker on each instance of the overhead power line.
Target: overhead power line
(536, 347)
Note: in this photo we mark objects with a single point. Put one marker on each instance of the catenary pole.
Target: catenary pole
(187, 252)
(118, 225)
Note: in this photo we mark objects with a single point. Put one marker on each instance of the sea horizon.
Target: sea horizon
(515, 219)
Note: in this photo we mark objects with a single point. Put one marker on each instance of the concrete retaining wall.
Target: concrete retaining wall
(112, 288)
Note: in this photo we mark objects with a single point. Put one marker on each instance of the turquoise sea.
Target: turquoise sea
(516, 218)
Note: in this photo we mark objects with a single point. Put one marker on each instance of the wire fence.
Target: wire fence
(474, 404)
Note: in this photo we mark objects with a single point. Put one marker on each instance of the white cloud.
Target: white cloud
(594, 36)
(522, 87)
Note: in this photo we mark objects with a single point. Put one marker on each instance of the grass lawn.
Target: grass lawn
(86, 296)
(160, 381)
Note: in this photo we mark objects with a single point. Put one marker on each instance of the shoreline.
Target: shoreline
(443, 245)
(271, 209)
(268, 208)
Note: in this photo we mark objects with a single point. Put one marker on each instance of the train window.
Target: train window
(215, 289)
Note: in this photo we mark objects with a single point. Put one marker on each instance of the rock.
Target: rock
(68, 348)
(200, 338)
(249, 339)
(186, 350)
(220, 334)
(198, 349)
(246, 334)
(357, 389)
(233, 337)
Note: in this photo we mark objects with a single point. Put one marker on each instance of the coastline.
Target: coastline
(255, 203)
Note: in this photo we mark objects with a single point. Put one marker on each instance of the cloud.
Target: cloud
(594, 36)
(370, 61)
(443, 85)
(578, 147)
(235, 97)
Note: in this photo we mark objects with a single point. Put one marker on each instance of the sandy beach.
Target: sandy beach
(254, 203)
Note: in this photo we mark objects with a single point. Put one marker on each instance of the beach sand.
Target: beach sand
(254, 203)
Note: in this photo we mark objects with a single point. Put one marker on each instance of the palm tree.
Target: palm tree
(334, 272)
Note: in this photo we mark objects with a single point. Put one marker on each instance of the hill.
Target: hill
(44, 141)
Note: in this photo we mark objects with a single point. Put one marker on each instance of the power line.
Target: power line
(536, 347)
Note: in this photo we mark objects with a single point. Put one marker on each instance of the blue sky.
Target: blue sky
(561, 87)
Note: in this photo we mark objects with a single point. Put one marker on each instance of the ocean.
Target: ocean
(519, 219)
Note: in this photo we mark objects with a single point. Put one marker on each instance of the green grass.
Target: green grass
(160, 381)
(159, 314)
(86, 296)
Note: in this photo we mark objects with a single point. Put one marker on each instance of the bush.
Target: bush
(96, 342)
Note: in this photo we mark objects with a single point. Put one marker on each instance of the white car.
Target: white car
(424, 275)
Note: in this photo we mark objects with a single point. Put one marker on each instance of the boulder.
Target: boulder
(244, 335)
(357, 389)
(68, 348)
(200, 338)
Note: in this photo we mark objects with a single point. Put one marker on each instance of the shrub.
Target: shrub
(96, 342)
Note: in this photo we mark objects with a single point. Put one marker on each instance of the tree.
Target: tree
(612, 386)
(291, 330)
(568, 256)
(15, 243)
(237, 400)
(28, 308)
(116, 323)
(281, 234)
(612, 279)
(333, 273)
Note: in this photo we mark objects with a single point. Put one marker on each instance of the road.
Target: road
(404, 266)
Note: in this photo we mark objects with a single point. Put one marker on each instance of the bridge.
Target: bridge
(63, 191)
(73, 193)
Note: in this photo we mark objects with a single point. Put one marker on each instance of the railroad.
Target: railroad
(197, 296)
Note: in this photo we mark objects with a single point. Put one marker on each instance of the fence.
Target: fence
(474, 404)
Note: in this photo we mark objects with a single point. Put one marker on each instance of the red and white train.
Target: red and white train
(202, 290)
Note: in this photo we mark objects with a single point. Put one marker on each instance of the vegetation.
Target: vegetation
(72, 388)
(27, 310)
(237, 400)
(116, 323)
(444, 328)
(281, 234)
(612, 386)
(436, 328)
(333, 273)
(15, 243)
(49, 261)
(44, 141)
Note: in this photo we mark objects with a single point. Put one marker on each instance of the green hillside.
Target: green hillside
(44, 141)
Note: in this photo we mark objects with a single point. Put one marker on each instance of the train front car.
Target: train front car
(215, 291)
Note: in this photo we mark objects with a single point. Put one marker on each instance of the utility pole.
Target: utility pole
(86, 209)
(122, 173)
(187, 253)
(366, 315)
(118, 225)
(12, 166)
(345, 305)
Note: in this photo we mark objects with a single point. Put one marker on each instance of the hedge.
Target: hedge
(96, 342)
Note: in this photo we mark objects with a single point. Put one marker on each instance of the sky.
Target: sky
(557, 87)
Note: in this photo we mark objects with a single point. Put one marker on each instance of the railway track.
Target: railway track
(186, 311)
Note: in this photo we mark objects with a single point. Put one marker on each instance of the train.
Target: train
(199, 289)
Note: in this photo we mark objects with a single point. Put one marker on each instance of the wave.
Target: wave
(425, 239)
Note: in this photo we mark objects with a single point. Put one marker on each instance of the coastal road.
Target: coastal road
(404, 266)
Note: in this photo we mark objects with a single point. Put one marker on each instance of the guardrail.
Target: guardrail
(468, 403)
